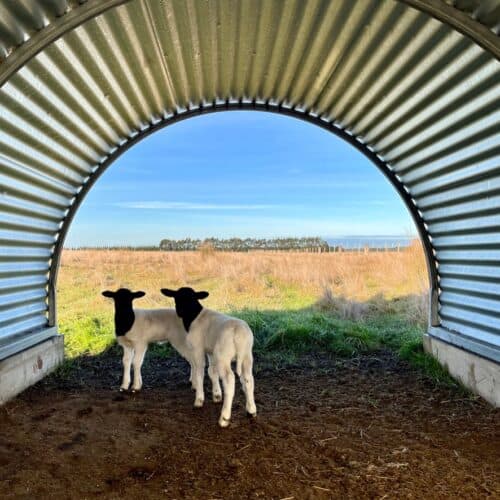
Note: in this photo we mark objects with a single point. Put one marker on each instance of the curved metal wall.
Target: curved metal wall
(418, 90)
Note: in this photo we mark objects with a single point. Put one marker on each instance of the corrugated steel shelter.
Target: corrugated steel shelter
(412, 84)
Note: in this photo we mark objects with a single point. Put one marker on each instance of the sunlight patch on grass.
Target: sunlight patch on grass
(87, 335)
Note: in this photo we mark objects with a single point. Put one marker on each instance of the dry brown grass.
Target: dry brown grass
(281, 280)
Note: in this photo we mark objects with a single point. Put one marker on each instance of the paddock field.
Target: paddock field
(348, 404)
(236, 280)
(347, 286)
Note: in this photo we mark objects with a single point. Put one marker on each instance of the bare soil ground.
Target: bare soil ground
(370, 427)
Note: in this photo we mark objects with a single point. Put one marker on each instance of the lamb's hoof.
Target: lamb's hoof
(198, 403)
(251, 415)
(224, 422)
(123, 389)
(136, 390)
(217, 398)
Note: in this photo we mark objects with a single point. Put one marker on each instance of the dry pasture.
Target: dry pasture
(260, 280)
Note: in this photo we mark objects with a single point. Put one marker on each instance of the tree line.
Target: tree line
(306, 244)
(246, 244)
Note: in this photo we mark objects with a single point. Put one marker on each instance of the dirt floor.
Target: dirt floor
(370, 427)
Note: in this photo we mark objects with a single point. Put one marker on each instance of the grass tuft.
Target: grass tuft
(413, 351)
(308, 331)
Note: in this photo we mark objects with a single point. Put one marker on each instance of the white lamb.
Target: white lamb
(135, 329)
(224, 339)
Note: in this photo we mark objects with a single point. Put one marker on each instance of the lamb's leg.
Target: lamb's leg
(199, 372)
(192, 378)
(140, 351)
(128, 353)
(228, 384)
(247, 382)
(214, 377)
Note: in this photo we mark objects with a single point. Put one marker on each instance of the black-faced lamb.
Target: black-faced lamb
(135, 329)
(222, 337)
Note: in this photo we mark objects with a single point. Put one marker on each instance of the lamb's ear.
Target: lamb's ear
(167, 292)
(139, 294)
(108, 293)
(202, 295)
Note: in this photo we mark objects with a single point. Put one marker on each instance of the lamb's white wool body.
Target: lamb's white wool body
(224, 339)
(150, 326)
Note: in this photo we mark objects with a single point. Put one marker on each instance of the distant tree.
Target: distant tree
(245, 245)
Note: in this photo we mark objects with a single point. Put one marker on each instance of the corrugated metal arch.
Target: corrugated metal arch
(83, 81)
(476, 20)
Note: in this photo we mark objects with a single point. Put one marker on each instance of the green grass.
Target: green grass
(308, 331)
(413, 352)
(87, 335)
(282, 336)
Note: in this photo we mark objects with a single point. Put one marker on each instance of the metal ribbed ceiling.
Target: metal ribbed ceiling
(414, 85)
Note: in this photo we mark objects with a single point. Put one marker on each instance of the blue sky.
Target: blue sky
(238, 174)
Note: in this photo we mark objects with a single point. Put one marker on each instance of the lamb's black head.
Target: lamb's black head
(124, 314)
(187, 303)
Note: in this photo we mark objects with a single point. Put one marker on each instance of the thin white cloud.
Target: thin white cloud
(180, 205)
